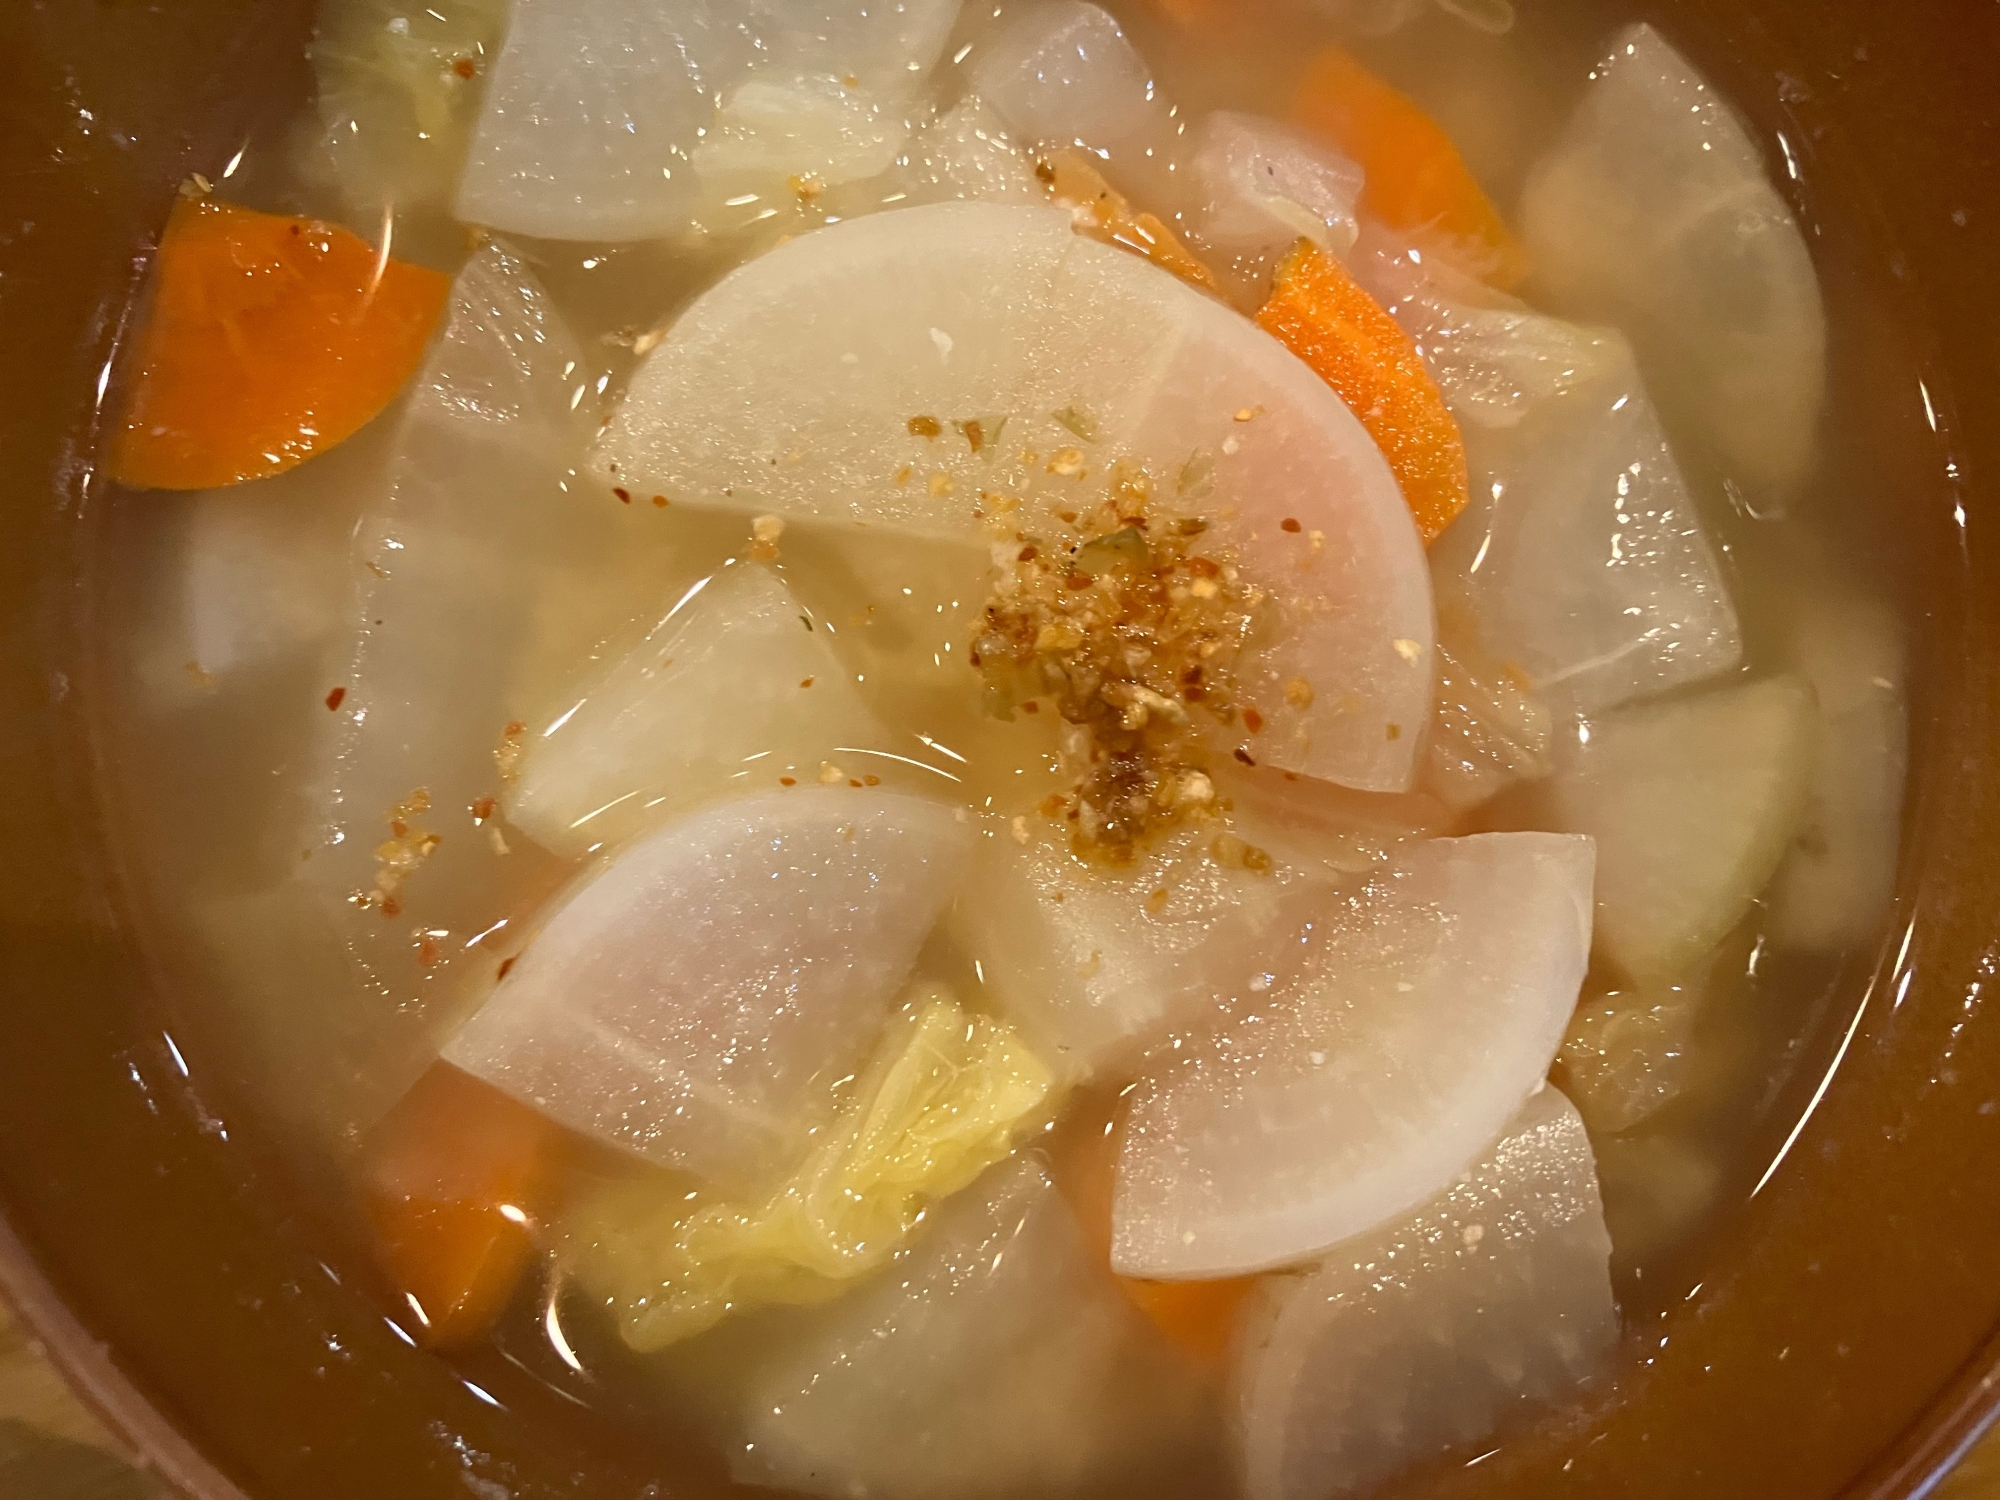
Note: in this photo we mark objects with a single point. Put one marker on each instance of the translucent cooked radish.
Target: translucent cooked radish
(886, 49)
(617, 119)
(398, 87)
(815, 129)
(681, 1003)
(1836, 883)
(1693, 802)
(590, 119)
(866, 341)
(1490, 731)
(324, 1066)
(1063, 74)
(472, 484)
(1261, 186)
(826, 98)
(1628, 1052)
(964, 153)
(847, 334)
(251, 577)
(460, 530)
(997, 1359)
(1433, 1331)
(731, 690)
(1581, 559)
(1097, 962)
(1396, 1037)
(1655, 211)
(903, 613)
(967, 153)
(1318, 829)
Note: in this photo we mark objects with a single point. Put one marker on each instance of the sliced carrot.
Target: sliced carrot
(1319, 312)
(1104, 214)
(1417, 182)
(457, 1174)
(1199, 1317)
(270, 339)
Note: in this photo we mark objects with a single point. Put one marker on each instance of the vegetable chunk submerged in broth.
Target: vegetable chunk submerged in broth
(1016, 756)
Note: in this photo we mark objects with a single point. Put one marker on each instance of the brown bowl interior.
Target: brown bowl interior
(1835, 1336)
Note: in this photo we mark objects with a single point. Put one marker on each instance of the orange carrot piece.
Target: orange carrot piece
(270, 339)
(1104, 214)
(457, 1174)
(1199, 1317)
(1417, 182)
(1319, 312)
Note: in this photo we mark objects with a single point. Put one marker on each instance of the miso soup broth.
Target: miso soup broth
(953, 749)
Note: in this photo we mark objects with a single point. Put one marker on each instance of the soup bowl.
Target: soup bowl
(1835, 1334)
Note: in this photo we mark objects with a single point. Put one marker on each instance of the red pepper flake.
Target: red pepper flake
(505, 965)
(852, 782)
(1031, 707)
(1253, 720)
(625, 497)
(925, 427)
(788, 781)
(465, 67)
(334, 698)
(392, 906)
(427, 952)
(483, 808)
(1244, 756)
(805, 682)
(661, 501)
(1289, 524)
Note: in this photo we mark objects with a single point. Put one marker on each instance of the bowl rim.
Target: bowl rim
(138, 1426)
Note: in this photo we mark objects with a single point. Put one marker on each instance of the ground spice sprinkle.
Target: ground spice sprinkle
(1132, 628)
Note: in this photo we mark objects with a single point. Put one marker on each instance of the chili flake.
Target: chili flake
(1131, 634)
